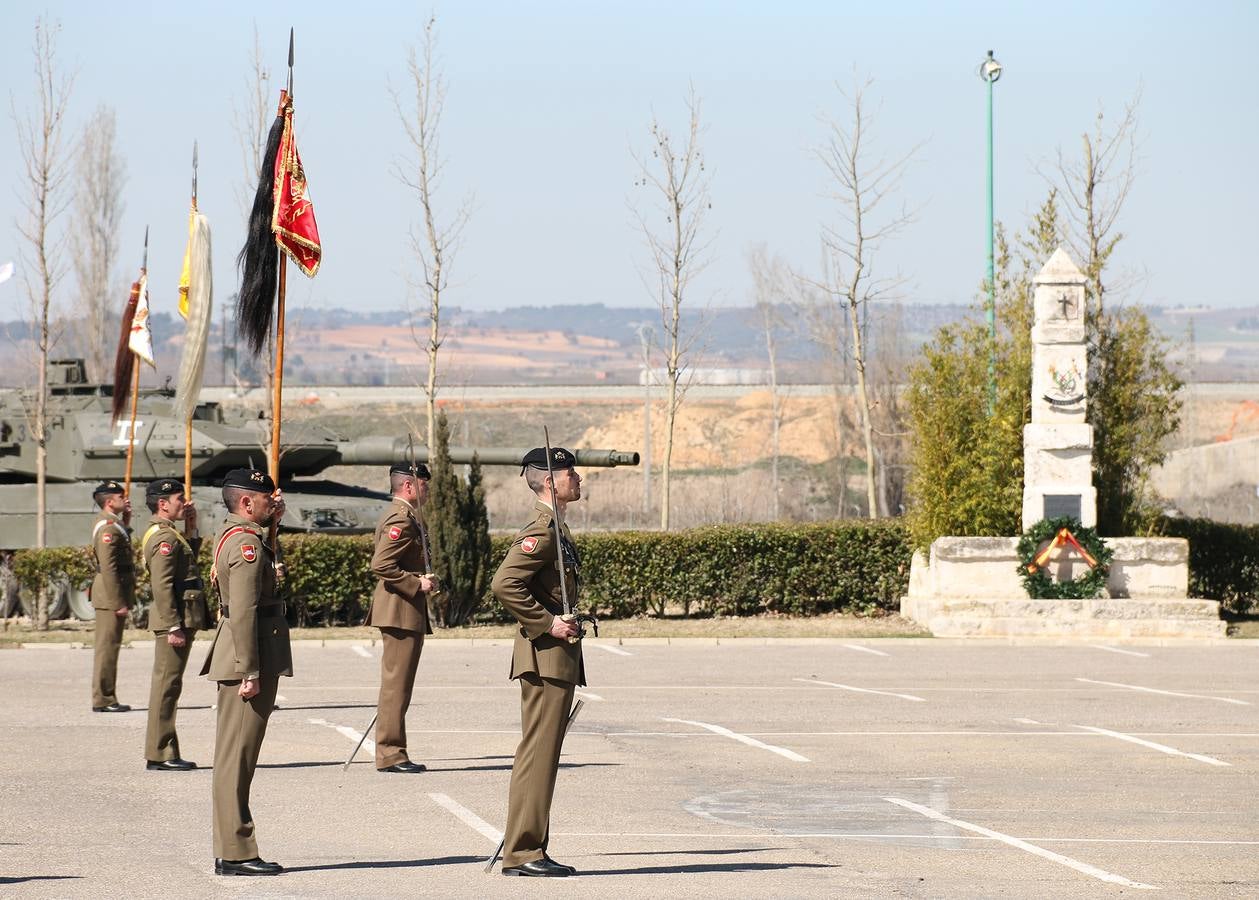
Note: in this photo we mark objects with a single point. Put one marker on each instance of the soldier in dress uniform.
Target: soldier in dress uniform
(548, 667)
(178, 611)
(399, 608)
(113, 591)
(249, 654)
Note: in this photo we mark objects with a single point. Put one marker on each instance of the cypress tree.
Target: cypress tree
(459, 529)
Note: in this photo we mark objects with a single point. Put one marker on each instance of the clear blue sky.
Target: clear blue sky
(547, 99)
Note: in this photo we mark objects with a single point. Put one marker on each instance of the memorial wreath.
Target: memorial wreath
(1036, 547)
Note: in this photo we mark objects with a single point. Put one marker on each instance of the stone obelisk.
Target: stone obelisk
(1058, 443)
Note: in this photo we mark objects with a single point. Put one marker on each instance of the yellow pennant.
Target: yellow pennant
(184, 276)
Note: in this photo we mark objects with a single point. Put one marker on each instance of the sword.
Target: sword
(559, 555)
(498, 851)
(359, 745)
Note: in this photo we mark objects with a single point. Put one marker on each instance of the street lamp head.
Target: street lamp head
(990, 69)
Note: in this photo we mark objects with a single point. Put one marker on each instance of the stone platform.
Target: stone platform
(970, 587)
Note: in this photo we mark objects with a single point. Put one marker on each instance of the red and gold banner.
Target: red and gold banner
(293, 219)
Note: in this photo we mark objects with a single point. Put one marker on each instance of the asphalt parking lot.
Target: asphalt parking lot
(740, 769)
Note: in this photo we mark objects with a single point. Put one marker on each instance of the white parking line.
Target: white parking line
(1083, 868)
(280, 698)
(468, 817)
(1025, 721)
(586, 695)
(1150, 690)
(611, 649)
(362, 651)
(849, 687)
(743, 739)
(1120, 650)
(1161, 748)
(369, 745)
(865, 649)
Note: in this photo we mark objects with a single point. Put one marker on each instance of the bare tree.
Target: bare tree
(680, 186)
(434, 243)
(251, 120)
(45, 167)
(862, 187)
(769, 278)
(98, 206)
(252, 117)
(1096, 187)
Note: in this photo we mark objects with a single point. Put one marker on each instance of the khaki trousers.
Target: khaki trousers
(161, 742)
(109, 629)
(399, 659)
(544, 708)
(242, 724)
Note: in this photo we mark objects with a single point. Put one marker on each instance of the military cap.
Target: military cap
(108, 487)
(404, 468)
(536, 458)
(250, 480)
(163, 487)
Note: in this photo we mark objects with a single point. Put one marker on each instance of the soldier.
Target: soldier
(113, 591)
(249, 654)
(548, 667)
(178, 611)
(400, 610)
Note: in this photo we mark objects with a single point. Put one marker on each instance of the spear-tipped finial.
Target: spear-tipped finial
(144, 266)
(194, 172)
(290, 62)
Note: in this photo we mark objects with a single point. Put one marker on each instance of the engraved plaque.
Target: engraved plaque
(1058, 505)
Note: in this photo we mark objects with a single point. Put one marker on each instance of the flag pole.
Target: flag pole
(277, 380)
(188, 422)
(135, 389)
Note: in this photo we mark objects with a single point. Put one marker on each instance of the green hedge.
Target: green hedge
(1223, 560)
(735, 570)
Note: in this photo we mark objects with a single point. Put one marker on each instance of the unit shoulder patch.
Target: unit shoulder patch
(165, 548)
(529, 544)
(107, 538)
(249, 552)
(395, 532)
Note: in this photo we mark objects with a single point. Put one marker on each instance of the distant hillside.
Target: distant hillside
(593, 343)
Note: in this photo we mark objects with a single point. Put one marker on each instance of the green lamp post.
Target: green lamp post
(990, 71)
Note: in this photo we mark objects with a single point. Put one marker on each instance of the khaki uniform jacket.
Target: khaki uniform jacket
(253, 637)
(398, 563)
(528, 584)
(115, 583)
(178, 594)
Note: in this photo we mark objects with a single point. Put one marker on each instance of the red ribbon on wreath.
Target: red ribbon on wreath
(1064, 536)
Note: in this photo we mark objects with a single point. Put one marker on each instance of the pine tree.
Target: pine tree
(460, 530)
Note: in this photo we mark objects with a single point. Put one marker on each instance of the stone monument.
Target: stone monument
(970, 586)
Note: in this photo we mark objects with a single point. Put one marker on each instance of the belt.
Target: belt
(269, 610)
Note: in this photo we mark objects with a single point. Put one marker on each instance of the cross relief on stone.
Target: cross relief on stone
(1067, 304)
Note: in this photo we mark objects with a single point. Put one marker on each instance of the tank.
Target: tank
(85, 448)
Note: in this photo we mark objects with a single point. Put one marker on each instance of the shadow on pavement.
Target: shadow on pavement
(390, 864)
(710, 867)
(723, 852)
(507, 767)
(19, 879)
(290, 707)
(298, 765)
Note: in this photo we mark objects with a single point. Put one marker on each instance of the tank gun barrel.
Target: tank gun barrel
(384, 451)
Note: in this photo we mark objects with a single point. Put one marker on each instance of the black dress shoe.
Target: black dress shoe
(170, 765)
(406, 767)
(539, 868)
(571, 870)
(253, 866)
(113, 707)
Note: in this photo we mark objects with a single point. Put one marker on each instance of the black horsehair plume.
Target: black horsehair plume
(259, 259)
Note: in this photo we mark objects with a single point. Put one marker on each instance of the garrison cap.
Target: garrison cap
(404, 468)
(536, 458)
(250, 480)
(163, 487)
(108, 487)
